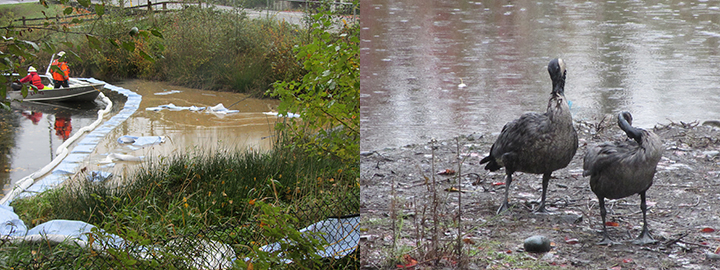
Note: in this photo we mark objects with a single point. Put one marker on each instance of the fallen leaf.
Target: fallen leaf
(409, 262)
(498, 183)
(616, 268)
(612, 224)
(453, 189)
(446, 172)
(717, 250)
(508, 251)
(707, 230)
(627, 260)
(468, 241)
(571, 241)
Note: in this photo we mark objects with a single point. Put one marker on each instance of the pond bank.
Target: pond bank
(396, 189)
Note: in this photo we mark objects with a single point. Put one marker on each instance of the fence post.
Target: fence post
(23, 20)
(149, 6)
(164, 7)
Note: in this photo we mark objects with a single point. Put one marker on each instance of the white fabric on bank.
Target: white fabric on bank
(341, 235)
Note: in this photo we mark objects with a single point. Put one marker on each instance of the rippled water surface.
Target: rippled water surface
(660, 61)
(37, 136)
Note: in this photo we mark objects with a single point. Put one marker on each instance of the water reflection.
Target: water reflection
(63, 126)
(8, 133)
(658, 61)
(37, 129)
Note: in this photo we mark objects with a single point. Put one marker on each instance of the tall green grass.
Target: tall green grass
(197, 193)
(201, 189)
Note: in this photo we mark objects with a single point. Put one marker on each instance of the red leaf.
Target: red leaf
(707, 230)
(409, 262)
(498, 184)
(508, 251)
(627, 260)
(611, 224)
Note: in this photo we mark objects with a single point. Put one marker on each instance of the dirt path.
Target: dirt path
(396, 184)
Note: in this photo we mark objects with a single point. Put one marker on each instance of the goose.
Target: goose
(624, 168)
(537, 143)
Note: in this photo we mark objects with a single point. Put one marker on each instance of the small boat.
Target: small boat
(79, 91)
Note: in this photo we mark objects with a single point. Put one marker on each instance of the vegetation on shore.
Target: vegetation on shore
(206, 48)
(251, 198)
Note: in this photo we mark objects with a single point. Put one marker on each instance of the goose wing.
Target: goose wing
(603, 155)
(528, 129)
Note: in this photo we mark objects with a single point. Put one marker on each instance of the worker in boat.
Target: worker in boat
(34, 79)
(60, 78)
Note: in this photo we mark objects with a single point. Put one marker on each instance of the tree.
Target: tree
(328, 96)
(16, 49)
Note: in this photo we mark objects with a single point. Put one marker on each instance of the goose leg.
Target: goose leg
(545, 181)
(644, 238)
(505, 205)
(606, 239)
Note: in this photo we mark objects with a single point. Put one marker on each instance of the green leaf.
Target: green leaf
(100, 9)
(56, 69)
(30, 44)
(146, 56)
(156, 33)
(68, 11)
(76, 20)
(94, 42)
(84, 3)
(112, 42)
(129, 46)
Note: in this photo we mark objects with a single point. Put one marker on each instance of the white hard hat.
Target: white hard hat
(61, 53)
(32, 69)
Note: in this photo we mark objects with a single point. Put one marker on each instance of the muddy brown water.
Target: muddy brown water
(658, 60)
(184, 131)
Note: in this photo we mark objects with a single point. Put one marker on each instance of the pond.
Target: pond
(660, 61)
(37, 135)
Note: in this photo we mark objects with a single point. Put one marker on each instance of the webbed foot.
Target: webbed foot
(503, 208)
(644, 239)
(607, 242)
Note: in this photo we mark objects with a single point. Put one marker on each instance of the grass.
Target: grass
(433, 237)
(29, 10)
(203, 194)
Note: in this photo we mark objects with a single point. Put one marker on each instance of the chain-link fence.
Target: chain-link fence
(211, 247)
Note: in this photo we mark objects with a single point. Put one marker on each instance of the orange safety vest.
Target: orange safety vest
(63, 66)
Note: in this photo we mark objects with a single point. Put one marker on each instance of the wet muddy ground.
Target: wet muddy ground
(396, 184)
